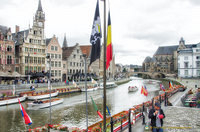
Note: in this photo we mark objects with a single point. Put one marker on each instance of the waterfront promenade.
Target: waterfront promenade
(178, 118)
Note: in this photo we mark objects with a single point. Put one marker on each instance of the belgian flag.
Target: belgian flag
(109, 43)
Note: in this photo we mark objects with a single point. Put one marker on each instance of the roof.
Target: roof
(65, 42)
(20, 36)
(166, 50)
(48, 41)
(147, 59)
(39, 6)
(86, 49)
(67, 51)
(3, 29)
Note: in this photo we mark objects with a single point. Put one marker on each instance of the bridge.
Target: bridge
(147, 75)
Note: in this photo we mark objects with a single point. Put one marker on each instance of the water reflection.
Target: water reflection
(72, 111)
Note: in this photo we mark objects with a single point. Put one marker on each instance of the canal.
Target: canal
(72, 112)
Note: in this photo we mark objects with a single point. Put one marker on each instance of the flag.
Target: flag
(95, 38)
(170, 85)
(96, 109)
(144, 91)
(107, 110)
(109, 43)
(27, 119)
(162, 87)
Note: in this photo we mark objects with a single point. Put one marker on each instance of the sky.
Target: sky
(139, 27)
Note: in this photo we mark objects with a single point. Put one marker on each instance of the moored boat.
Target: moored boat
(11, 100)
(108, 85)
(39, 95)
(132, 88)
(44, 103)
(90, 89)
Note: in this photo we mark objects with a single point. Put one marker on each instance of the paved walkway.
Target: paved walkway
(178, 118)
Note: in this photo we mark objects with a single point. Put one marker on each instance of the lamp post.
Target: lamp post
(85, 63)
(49, 85)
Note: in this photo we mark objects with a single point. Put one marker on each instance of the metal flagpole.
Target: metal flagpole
(84, 55)
(104, 74)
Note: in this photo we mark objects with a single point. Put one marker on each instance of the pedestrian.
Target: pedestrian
(156, 115)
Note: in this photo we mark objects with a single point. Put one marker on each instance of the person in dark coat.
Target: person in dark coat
(156, 115)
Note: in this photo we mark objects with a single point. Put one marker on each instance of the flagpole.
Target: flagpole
(104, 75)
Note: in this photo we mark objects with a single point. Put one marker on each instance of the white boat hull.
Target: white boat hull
(132, 89)
(108, 85)
(42, 96)
(12, 101)
(36, 106)
(89, 89)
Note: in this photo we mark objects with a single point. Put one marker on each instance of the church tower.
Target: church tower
(181, 44)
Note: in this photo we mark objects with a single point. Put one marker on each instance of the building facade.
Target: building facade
(74, 61)
(165, 59)
(189, 61)
(30, 45)
(54, 50)
(7, 50)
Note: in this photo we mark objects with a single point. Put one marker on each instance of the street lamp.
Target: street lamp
(49, 85)
(85, 63)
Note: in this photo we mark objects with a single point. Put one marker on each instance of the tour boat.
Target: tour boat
(108, 85)
(35, 96)
(11, 100)
(44, 103)
(132, 88)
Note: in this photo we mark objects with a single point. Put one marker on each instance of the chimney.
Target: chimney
(16, 29)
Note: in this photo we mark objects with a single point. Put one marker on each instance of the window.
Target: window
(80, 64)
(39, 60)
(56, 56)
(52, 47)
(39, 69)
(80, 56)
(26, 59)
(52, 72)
(48, 54)
(30, 40)
(52, 56)
(31, 50)
(70, 63)
(185, 64)
(35, 60)
(35, 69)
(73, 71)
(74, 64)
(59, 56)
(9, 59)
(34, 32)
(77, 64)
(70, 71)
(26, 49)
(52, 63)
(198, 64)
(9, 48)
(43, 60)
(74, 56)
(198, 57)
(56, 64)
(178, 65)
(197, 50)
(43, 50)
(186, 72)
(59, 64)
(59, 72)
(56, 48)
(63, 65)
(39, 50)
(56, 73)
(198, 73)
(31, 59)
(186, 58)
(77, 51)
(35, 50)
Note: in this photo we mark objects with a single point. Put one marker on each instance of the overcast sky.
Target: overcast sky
(138, 26)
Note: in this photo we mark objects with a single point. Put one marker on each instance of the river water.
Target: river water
(72, 112)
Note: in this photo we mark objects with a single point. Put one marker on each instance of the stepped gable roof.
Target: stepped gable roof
(166, 50)
(147, 59)
(20, 36)
(86, 49)
(48, 40)
(67, 51)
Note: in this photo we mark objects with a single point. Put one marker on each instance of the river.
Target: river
(72, 112)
